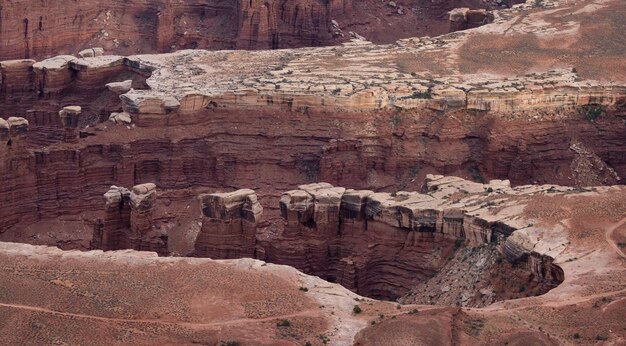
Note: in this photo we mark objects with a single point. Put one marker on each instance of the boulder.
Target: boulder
(120, 87)
(91, 52)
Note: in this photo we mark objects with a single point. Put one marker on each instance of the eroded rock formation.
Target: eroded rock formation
(464, 18)
(41, 29)
(229, 225)
(377, 244)
(128, 221)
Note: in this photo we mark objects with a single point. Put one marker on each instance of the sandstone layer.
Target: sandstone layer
(364, 116)
(381, 245)
(129, 221)
(36, 29)
(123, 297)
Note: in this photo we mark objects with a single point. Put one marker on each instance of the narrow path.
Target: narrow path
(152, 321)
(609, 233)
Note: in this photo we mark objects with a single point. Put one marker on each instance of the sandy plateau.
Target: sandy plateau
(313, 172)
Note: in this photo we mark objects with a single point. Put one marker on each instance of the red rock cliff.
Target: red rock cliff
(35, 29)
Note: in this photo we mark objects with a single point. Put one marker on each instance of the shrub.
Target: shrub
(357, 309)
(304, 289)
(283, 323)
(592, 112)
(230, 343)
(576, 335)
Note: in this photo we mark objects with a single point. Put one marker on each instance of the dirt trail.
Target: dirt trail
(151, 321)
(609, 233)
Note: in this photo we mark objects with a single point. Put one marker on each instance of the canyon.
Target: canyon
(255, 171)
(48, 28)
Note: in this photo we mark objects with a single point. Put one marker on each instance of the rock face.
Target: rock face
(13, 136)
(464, 18)
(40, 29)
(376, 244)
(208, 146)
(229, 225)
(70, 117)
(360, 115)
(128, 221)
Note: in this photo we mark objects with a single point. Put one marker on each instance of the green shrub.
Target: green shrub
(283, 323)
(357, 309)
(592, 111)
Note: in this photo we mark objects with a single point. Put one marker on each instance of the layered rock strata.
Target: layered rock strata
(70, 117)
(128, 221)
(13, 138)
(378, 244)
(40, 29)
(229, 225)
(367, 116)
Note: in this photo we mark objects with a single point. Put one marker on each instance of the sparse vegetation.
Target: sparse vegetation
(420, 95)
(230, 343)
(357, 309)
(304, 289)
(283, 323)
(592, 112)
(475, 325)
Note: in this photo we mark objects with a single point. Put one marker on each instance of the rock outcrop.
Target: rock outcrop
(128, 221)
(464, 18)
(360, 115)
(70, 117)
(13, 136)
(34, 29)
(229, 225)
(377, 244)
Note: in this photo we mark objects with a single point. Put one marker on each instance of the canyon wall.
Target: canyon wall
(36, 29)
(178, 145)
(168, 129)
(377, 244)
